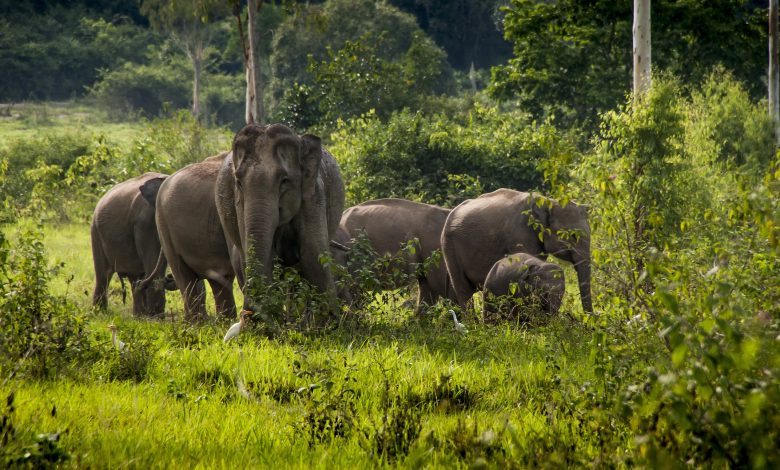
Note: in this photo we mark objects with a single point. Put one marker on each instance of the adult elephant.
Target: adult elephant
(280, 195)
(391, 223)
(481, 231)
(192, 238)
(125, 242)
(536, 282)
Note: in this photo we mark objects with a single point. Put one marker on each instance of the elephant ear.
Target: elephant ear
(311, 159)
(150, 189)
(244, 144)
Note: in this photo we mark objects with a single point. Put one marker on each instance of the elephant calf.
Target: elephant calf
(391, 223)
(536, 282)
(125, 242)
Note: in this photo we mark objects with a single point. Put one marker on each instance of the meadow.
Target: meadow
(676, 367)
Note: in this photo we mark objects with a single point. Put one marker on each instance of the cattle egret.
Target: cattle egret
(118, 344)
(235, 328)
(458, 325)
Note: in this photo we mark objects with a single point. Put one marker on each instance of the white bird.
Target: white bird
(458, 325)
(235, 328)
(118, 344)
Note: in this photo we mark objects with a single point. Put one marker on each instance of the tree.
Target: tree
(774, 68)
(642, 47)
(250, 47)
(188, 23)
(570, 57)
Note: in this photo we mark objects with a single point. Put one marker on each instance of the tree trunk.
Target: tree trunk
(254, 83)
(197, 65)
(641, 30)
(774, 68)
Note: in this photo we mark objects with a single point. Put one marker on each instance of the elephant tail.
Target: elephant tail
(124, 290)
(158, 271)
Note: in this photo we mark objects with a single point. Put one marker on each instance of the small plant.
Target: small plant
(329, 400)
(132, 362)
(470, 445)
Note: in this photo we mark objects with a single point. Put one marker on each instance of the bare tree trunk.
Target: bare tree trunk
(254, 83)
(197, 65)
(641, 30)
(774, 69)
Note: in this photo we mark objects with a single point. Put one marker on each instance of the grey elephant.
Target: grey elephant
(481, 231)
(124, 241)
(280, 195)
(192, 238)
(535, 281)
(391, 223)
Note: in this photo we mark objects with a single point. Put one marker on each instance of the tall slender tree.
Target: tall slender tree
(188, 24)
(774, 69)
(642, 49)
(250, 43)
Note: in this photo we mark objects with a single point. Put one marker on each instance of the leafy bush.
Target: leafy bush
(440, 161)
(41, 335)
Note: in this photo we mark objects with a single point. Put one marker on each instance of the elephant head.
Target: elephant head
(565, 233)
(271, 200)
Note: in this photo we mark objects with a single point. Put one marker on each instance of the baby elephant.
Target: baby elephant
(536, 282)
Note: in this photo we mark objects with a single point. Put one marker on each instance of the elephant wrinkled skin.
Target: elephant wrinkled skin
(481, 231)
(124, 241)
(192, 238)
(280, 195)
(391, 223)
(536, 280)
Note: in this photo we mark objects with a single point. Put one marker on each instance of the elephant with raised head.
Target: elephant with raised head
(192, 238)
(389, 224)
(125, 242)
(536, 281)
(280, 195)
(481, 231)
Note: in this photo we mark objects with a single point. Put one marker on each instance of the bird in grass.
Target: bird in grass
(118, 344)
(236, 328)
(458, 325)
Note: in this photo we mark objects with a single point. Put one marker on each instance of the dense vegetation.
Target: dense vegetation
(678, 366)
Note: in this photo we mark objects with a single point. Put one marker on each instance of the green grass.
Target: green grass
(187, 411)
(24, 120)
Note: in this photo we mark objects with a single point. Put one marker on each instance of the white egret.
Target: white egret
(458, 325)
(118, 344)
(235, 328)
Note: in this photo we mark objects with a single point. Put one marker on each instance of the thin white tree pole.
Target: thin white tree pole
(641, 51)
(774, 68)
(254, 85)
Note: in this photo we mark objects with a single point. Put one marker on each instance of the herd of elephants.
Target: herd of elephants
(278, 197)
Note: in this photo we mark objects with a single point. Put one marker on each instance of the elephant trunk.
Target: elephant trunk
(258, 240)
(582, 266)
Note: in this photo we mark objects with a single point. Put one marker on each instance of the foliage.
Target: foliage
(44, 452)
(56, 53)
(572, 59)
(356, 79)
(441, 161)
(361, 39)
(41, 335)
(470, 31)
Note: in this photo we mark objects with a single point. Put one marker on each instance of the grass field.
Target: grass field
(312, 398)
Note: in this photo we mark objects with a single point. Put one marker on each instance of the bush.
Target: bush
(147, 90)
(41, 335)
(440, 161)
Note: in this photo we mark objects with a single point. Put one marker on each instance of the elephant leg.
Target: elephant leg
(425, 295)
(223, 298)
(103, 273)
(193, 291)
(139, 298)
(463, 287)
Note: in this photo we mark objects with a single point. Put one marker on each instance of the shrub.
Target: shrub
(41, 335)
(440, 161)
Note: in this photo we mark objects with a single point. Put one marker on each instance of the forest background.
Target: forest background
(430, 100)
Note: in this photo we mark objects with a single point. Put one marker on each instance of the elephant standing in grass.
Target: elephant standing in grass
(481, 231)
(280, 195)
(536, 282)
(192, 238)
(125, 242)
(389, 224)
